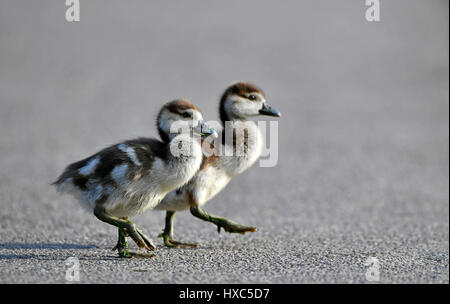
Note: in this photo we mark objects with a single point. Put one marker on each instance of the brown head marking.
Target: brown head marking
(241, 89)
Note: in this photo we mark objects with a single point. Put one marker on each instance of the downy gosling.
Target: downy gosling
(239, 102)
(133, 176)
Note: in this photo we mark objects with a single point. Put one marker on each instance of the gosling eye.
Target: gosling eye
(252, 97)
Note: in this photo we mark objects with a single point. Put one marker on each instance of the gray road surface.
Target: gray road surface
(363, 166)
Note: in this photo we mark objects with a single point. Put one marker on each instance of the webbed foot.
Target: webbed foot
(128, 254)
(141, 240)
(233, 227)
(126, 228)
(124, 250)
(171, 243)
(167, 234)
(148, 242)
(227, 225)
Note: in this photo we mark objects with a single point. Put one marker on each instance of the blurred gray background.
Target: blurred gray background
(363, 165)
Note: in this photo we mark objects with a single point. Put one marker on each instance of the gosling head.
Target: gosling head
(186, 115)
(242, 100)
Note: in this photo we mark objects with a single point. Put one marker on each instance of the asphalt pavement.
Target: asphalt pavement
(363, 144)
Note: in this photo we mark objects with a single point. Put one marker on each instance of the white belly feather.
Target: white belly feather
(211, 180)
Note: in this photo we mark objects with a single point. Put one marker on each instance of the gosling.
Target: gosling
(239, 103)
(133, 176)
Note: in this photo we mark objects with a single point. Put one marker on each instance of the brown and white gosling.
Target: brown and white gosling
(130, 177)
(239, 102)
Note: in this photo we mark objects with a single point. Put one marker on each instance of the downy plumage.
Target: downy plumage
(130, 177)
(239, 102)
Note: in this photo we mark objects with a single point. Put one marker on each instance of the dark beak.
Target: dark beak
(269, 111)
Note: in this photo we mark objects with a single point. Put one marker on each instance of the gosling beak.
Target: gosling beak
(269, 111)
(205, 131)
